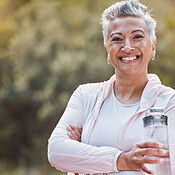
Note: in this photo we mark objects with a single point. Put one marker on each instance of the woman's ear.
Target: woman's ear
(108, 59)
(154, 49)
(154, 45)
(106, 48)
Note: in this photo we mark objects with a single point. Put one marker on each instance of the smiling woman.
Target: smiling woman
(130, 48)
(105, 117)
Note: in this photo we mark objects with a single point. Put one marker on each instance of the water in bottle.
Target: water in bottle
(155, 130)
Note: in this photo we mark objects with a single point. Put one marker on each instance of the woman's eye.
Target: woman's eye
(138, 36)
(116, 39)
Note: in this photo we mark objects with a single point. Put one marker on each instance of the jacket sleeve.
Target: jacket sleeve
(72, 156)
(170, 112)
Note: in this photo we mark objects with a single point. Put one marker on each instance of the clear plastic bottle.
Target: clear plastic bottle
(155, 130)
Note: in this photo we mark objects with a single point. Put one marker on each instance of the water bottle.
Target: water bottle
(155, 130)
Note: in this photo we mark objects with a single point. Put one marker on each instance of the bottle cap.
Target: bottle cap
(157, 109)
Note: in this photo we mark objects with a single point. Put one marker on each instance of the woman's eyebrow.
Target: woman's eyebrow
(114, 33)
(138, 30)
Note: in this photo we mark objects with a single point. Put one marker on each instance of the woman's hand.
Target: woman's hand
(143, 153)
(134, 160)
(74, 133)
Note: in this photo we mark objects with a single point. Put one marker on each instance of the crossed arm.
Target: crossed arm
(134, 160)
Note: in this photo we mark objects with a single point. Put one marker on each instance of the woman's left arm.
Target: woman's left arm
(170, 112)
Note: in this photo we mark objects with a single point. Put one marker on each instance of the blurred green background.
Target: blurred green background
(48, 48)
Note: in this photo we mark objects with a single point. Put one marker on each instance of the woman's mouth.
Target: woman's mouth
(131, 58)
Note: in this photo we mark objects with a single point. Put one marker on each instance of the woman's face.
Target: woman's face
(129, 45)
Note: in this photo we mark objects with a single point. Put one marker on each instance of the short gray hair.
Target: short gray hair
(127, 8)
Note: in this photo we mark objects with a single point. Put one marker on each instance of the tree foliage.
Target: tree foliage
(48, 48)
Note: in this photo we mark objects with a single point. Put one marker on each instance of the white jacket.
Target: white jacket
(83, 108)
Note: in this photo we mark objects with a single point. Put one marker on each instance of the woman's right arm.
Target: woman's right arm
(134, 159)
(72, 156)
(142, 153)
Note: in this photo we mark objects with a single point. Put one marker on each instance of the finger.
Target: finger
(73, 133)
(72, 126)
(167, 154)
(71, 136)
(79, 128)
(146, 170)
(149, 160)
(76, 132)
(149, 145)
(68, 128)
(151, 152)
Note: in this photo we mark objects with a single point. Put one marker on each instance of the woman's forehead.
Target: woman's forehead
(128, 24)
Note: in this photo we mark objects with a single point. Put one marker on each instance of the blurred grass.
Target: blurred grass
(43, 170)
(44, 56)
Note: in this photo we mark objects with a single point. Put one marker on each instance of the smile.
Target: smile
(129, 58)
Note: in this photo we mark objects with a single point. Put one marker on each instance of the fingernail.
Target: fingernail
(161, 160)
(160, 145)
(164, 151)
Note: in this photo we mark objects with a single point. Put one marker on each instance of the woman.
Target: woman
(111, 112)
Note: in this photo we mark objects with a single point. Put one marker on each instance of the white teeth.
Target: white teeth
(129, 58)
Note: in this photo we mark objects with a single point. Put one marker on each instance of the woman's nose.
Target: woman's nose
(127, 47)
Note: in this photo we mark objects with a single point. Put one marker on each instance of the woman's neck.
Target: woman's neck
(128, 90)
